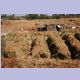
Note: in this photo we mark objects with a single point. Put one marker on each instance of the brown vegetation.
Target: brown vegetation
(34, 49)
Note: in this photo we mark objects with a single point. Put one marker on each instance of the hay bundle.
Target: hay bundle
(40, 49)
(60, 44)
(73, 44)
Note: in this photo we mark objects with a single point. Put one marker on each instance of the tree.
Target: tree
(32, 16)
(4, 16)
(11, 17)
(44, 16)
(55, 16)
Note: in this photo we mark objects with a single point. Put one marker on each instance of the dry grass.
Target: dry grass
(37, 55)
(40, 63)
(17, 25)
(31, 49)
(60, 43)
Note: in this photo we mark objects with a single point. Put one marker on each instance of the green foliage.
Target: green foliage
(44, 16)
(11, 17)
(56, 16)
(63, 34)
(4, 16)
(3, 45)
(32, 16)
(11, 36)
(53, 16)
(39, 16)
(8, 17)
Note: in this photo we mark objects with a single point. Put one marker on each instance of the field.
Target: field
(22, 47)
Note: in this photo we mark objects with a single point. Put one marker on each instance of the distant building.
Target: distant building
(71, 26)
(48, 27)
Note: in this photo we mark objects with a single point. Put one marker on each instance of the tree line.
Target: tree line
(38, 16)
